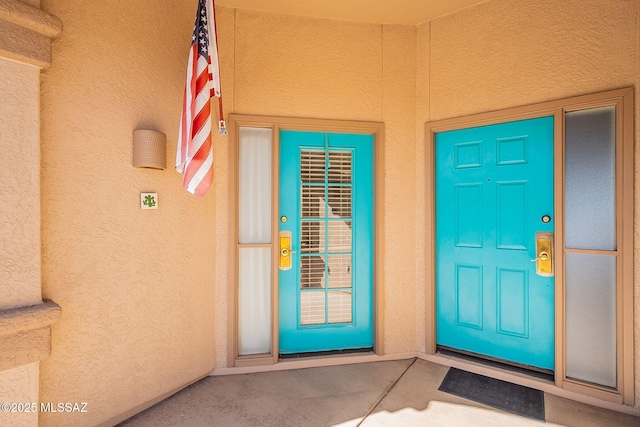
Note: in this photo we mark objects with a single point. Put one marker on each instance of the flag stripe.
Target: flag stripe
(194, 154)
(204, 177)
(200, 159)
(200, 120)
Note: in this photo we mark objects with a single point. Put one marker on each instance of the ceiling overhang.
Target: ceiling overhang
(408, 12)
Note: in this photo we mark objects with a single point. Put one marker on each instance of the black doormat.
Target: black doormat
(514, 398)
(325, 353)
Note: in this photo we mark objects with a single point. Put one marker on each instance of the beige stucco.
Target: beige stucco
(505, 53)
(25, 334)
(144, 292)
(423, 104)
(19, 203)
(25, 32)
(135, 286)
(20, 218)
(19, 385)
(399, 116)
(379, 11)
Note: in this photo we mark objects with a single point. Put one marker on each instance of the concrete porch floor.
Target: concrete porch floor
(390, 393)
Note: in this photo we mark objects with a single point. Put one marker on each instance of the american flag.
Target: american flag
(194, 157)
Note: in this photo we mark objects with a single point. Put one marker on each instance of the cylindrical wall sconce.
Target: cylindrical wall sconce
(149, 149)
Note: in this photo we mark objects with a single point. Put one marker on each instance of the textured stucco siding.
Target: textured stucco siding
(19, 385)
(225, 20)
(303, 67)
(20, 218)
(20, 178)
(636, 223)
(399, 115)
(506, 53)
(136, 286)
(423, 102)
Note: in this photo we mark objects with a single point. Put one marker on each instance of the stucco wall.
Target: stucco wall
(19, 385)
(399, 116)
(636, 223)
(20, 178)
(506, 53)
(423, 63)
(136, 286)
(20, 217)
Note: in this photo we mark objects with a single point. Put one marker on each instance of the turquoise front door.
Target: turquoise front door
(326, 207)
(494, 192)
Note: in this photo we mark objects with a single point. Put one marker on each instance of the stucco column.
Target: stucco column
(25, 336)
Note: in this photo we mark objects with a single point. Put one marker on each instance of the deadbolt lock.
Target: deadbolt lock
(543, 256)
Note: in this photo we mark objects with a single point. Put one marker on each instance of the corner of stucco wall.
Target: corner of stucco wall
(423, 33)
(399, 116)
(25, 49)
(637, 211)
(225, 18)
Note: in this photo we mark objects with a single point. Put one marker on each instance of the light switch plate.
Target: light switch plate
(148, 200)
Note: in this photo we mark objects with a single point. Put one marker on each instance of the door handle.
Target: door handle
(285, 250)
(544, 254)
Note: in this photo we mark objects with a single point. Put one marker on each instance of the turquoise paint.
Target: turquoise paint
(493, 185)
(297, 338)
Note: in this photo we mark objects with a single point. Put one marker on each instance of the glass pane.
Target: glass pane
(254, 185)
(312, 308)
(591, 318)
(339, 236)
(339, 271)
(312, 166)
(312, 270)
(339, 202)
(590, 179)
(254, 301)
(339, 167)
(312, 237)
(312, 202)
(340, 306)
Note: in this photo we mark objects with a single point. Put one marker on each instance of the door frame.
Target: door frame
(623, 100)
(276, 124)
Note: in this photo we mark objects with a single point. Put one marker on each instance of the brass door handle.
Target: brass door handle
(544, 254)
(285, 250)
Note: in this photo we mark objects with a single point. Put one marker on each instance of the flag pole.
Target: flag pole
(222, 126)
